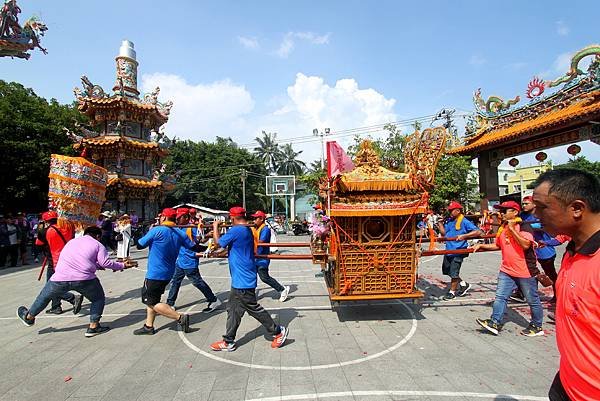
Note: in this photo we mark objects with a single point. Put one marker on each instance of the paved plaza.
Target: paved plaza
(384, 350)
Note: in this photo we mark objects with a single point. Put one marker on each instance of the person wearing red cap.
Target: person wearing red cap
(457, 226)
(239, 241)
(545, 252)
(164, 241)
(194, 219)
(187, 266)
(262, 233)
(516, 242)
(567, 202)
(54, 239)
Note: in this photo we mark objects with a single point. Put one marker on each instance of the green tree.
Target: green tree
(454, 180)
(210, 174)
(289, 163)
(31, 129)
(582, 163)
(268, 150)
(312, 177)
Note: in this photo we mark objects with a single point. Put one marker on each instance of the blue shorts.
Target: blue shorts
(451, 265)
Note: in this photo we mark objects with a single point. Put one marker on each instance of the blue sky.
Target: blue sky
(236, 68)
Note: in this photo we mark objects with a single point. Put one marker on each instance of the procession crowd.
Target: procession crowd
(565, 207)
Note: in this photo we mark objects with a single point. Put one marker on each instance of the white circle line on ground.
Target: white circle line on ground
(430, 259)
(418, 393)
(212, 356)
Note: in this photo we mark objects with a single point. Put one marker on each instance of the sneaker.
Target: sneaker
(532, 331)
(144, 330)
(184, 322)
(55, 311)
(284, 293)
(462, 290)
(517, 297)
(489, 325)
(98, 330)
(222, 346)
(280, 338)
(449, 296)
(36, 260)
(212, 306)
(319, 274)
(77, 304)
(22, 314)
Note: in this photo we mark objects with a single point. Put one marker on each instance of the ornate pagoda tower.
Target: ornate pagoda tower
(126, 138)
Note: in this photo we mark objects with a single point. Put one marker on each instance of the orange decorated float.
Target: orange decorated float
(368, 250)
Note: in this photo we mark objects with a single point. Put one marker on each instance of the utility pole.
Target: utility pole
(322, 135)
(447, 115)
(244, 175)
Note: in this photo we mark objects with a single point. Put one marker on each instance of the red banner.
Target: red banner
(338, 161)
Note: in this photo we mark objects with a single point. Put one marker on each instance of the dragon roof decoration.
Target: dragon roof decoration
(17, 40)
(496, 113)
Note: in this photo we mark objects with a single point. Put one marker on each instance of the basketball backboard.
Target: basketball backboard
(280, 185)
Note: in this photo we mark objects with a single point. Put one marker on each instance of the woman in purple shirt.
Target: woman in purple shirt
(76, 271)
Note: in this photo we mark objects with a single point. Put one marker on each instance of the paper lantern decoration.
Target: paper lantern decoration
(541, 156)
(573, 149)
(77, 189)
(514, 162)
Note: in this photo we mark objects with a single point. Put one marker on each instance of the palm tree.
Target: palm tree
(268, 150)
(289, 164)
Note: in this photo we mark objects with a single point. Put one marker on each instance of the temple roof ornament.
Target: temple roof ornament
(17, 40)
(569, 98)
(100, 105)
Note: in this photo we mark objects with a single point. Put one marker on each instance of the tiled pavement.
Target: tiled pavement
(361, 351)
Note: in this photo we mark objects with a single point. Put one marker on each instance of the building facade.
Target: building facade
(126, 138)
(524, 176)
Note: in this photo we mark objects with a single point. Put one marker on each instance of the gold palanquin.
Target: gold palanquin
(373, 211)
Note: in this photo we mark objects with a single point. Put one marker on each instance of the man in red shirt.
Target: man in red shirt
(54, 238)
(518, 262)
(568, 202)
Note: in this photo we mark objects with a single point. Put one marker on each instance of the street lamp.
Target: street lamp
(322, 135)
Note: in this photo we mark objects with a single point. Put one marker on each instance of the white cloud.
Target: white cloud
(249, 43)
(312, 103)
(202, 111)
(477, 60)
(289, 41)
(561, 28)
(562, 64)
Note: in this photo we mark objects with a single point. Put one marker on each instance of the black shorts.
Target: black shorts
(152, 291)
(451, 265)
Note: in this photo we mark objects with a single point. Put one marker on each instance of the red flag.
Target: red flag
(337, 160)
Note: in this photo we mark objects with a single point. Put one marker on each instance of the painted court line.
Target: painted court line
(315, 396)
(213, 356)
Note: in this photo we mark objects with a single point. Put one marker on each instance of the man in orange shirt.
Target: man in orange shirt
(55, 238)
(568, 202)
(518, 261)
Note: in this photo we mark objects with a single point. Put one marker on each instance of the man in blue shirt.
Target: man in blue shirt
(164, 241)
(187, 266)
(457, 226)
(239, 241)
(262, 233)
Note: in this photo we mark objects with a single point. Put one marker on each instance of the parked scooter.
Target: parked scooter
(300, 228)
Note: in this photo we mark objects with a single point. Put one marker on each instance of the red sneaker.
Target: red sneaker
(280, 338)
(222, 346)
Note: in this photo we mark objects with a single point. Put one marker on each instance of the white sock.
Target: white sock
(463, 283)
(451, 292)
